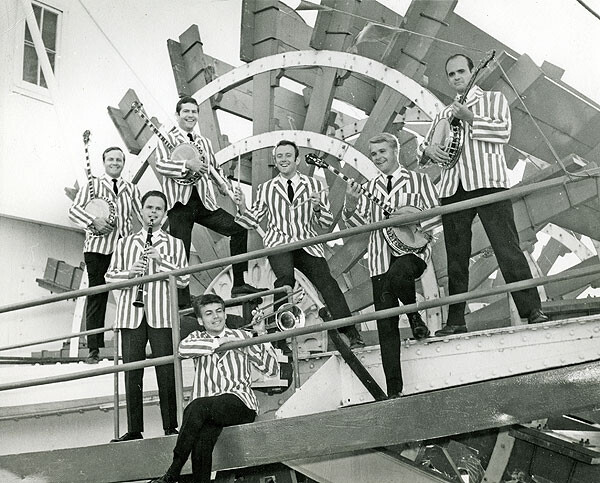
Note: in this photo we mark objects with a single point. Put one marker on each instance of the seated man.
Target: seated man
(221, 396)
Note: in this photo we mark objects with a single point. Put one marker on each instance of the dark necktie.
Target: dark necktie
(389, 184)
(115, 189)
(290, 190)
(190, 136)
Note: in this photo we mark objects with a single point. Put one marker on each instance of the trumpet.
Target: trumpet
(139, 299)
(288, 316)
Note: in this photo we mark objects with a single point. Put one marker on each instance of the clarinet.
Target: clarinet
(139, 299)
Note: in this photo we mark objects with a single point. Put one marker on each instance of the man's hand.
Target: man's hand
(153, 254)
(258, 322)
(196, 165)
(353, 191)
(240, 200)
(137, 269)
(102, 226)
(315, 201)
(436, 153)
(459, 111)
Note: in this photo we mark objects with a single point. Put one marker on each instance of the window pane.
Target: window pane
(43, 80)
(51, 57)
(30, 65)
(49, 30)
(28, 34)
(37, 10)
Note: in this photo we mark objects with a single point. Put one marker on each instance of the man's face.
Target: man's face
(187, 117)
(458, 73)
(153, 210)
(285, 160)
(212, 317)
(114, 161)
(384, 156)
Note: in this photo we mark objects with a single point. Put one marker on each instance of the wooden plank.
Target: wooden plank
(473, 407)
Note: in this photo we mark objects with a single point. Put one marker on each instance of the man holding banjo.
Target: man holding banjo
(186, 171)
(105, 208)
(395, 262)
(467, 139)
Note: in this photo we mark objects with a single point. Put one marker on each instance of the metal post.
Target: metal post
(295, 362)
(116, 390)
(173, 300)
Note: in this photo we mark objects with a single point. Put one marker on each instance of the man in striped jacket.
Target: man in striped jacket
(137, 255)
(481, 170)
(97, 249)
(197, 203)
(222, 394)
(393, 276)
(294, 205)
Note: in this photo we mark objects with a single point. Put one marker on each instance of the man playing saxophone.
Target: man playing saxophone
(149, 319)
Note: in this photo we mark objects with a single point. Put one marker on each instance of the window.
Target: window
(47, 20)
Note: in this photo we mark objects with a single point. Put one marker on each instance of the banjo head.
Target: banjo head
(99, 208)
(185, 150)
(406, 238)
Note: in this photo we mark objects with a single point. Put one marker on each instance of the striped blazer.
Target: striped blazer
(287, 221)
(127, 204)
(172, 169)
(482, 163)
(408, 188)
(228, 372)
(156, 294)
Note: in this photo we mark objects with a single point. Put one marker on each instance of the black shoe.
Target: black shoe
(451, 330)
(418, 327)
(245, 289)
(166, 478)
(537, 317)
(171, 431)
(93, 357)
(356, 341)
(394, 395)
(128, 437)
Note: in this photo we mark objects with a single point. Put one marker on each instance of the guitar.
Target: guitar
(449, 132)
(98, 207)
(184, 150)
(401, 239)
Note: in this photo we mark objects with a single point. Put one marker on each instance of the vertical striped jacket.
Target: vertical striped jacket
(288, 222)
(172, 169)
(127, 204)
(408, 188)
(156, 294)
(482, 163)
(228, 372)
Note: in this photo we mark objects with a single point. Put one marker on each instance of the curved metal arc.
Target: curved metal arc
(388, 76)
(304, 139)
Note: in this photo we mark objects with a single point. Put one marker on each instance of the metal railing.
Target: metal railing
(171, 277)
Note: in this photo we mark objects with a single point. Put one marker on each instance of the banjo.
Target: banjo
(401, 239)
(98, 207)
(449, 132)
(184, 150)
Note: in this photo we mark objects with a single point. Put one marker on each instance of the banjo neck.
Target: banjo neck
(137, 107)
(88, 167)
(315, 160)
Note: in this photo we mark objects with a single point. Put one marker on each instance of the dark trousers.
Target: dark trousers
(499, 224)
(397, 283)
(317, 272)
(203, 421)
(181, 222)
(95, 309)
(134, 349)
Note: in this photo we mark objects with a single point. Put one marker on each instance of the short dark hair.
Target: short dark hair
(286, 142)
(206, 299)
(185, 100)
(155, 193)
(112, 148)
(454, 56)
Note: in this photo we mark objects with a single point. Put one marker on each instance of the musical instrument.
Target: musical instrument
(97, 206)
(184, 150)
(401, 239)
(139, 298)
(449, 132)
(288, 316)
